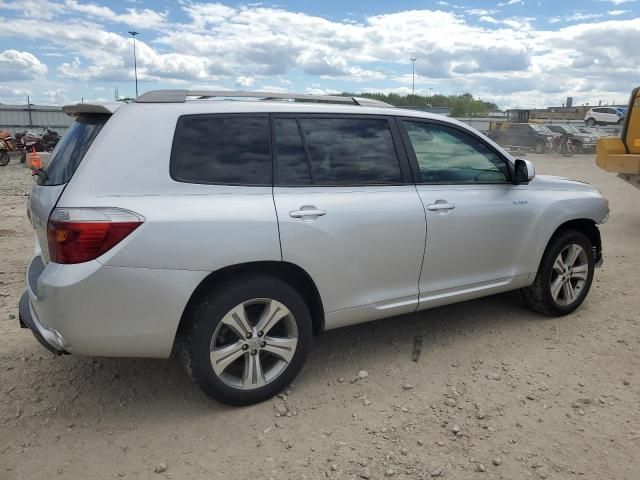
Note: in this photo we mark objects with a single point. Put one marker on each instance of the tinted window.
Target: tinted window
(293, 168)
(447, 155)
(351, 151)
(233, 150)
(71, 149)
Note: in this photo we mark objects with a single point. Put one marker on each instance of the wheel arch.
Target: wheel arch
(290, 273)
(585, 226)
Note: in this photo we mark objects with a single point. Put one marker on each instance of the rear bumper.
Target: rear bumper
(49, 339)
(99, 310)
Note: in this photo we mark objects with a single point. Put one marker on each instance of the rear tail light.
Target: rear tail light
(77, 235)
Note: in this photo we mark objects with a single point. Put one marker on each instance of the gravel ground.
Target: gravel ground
(498, 392)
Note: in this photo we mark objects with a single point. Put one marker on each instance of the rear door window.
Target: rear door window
(71, 149)
(222, 149)
(291, 158)
(351, 151)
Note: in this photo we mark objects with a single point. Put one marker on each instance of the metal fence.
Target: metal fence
(18, 118)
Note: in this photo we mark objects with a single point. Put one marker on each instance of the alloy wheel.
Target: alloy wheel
(569, 274)
(253, 343)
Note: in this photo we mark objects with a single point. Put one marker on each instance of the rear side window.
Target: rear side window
(293, 168)
(231, 150)
(71, 149)
(351, 151)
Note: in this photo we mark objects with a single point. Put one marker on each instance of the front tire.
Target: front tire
(578, 147)
(565, 275)
(247, 340)
(540, 147)
(4, 158)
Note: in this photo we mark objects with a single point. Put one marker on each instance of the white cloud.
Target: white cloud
(618, 2)
(15, 65)
(245, 81)
(253, 46)
(140, 19)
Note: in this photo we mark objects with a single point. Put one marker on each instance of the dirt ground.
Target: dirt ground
(498, 392)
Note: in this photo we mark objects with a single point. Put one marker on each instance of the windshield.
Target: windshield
(71, 149)
(541, 129)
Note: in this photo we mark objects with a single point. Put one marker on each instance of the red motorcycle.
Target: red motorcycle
(26, 142)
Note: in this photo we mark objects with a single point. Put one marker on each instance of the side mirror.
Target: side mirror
(524, 171)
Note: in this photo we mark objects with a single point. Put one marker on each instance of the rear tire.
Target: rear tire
(564, 276)
(539, 147)
(4, 158)
(591, 122)
(223, 329)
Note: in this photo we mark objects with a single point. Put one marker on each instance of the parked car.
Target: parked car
(605, 116)
(584, 142)
(530, 136)
(596, 132)
(236, 230)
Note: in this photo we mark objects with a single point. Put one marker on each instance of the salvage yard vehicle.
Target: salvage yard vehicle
(583, 142)
(239, 229)
(605, 116)
(622, 154)
(6, 145)
(524, 136)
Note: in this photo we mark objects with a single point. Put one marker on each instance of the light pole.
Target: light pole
(133, 34)
(413, 76)
(430, 92)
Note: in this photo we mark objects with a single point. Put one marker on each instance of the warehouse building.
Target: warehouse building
(18, 118)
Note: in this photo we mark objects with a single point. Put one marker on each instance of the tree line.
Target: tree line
(459, 105)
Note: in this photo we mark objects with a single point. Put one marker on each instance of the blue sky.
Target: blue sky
(515, 52)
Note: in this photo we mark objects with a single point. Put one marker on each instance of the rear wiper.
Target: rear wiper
(40, 173)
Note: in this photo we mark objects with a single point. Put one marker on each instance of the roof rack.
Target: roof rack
(180, 96)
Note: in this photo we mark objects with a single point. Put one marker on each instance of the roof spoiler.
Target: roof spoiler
(85, 108)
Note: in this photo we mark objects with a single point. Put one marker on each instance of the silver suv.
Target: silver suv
(230, 230)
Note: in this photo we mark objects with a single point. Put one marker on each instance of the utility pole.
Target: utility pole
(29, 109)
(133, 34)
(430, 92)
(413, 76)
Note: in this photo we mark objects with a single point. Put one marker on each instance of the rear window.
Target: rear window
(350, 151)
(71, 149)
(215, 149)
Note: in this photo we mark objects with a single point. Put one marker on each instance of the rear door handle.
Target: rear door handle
(310, 212)
(434, 207)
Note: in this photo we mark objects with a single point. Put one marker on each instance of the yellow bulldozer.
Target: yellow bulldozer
(622, 154)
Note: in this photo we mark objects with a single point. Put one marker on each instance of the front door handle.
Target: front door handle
(440, 205)
(307, 212)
